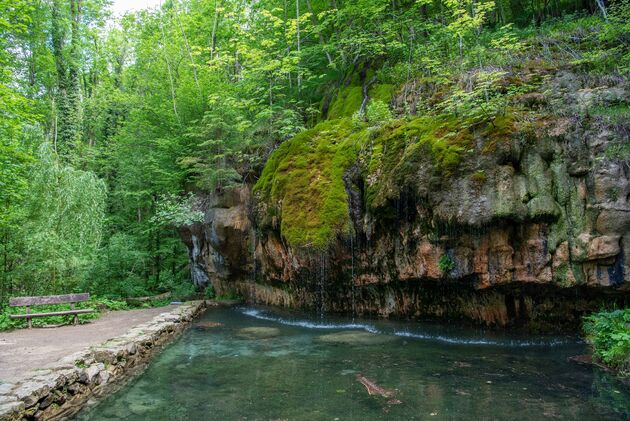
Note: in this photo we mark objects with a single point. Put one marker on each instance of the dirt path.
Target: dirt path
(24, 350)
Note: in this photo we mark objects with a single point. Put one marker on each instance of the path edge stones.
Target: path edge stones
(67, 386)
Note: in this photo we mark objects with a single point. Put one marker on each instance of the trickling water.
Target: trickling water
(352, 286)
(311, 370)
(254, 239)
(321, 284)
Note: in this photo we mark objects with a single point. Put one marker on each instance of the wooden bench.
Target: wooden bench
(50, 299)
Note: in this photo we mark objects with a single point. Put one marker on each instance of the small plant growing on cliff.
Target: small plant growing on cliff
(479, 178)
(446, 264)
(177, 211)
(378, 113)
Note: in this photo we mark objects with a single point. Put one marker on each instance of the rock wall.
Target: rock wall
(62, 391)
(523, 221)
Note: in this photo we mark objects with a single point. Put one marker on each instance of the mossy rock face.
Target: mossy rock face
(382, 92)
(302, 184)
(353, 337)
(543, 208)
(436, 144)
(347, 102)
(302, 189)
(259, 332)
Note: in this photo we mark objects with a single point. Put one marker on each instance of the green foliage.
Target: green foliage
(96, 303)
(118, 272)
(58, 231)
(151, 303)
(446, 264)
(106, 303)
(609, 334)
(209, 293)
(176, 211)
(183, 291)
(378, 113)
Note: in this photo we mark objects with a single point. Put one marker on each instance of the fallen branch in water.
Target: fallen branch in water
(374, 389)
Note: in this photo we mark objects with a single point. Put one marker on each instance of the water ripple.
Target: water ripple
(453, 340)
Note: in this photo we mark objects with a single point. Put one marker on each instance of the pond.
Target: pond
(263, 364)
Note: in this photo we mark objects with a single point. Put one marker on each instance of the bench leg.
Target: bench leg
(28, 319)
(76, 316)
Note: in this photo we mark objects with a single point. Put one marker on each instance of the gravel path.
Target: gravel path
(25, 350)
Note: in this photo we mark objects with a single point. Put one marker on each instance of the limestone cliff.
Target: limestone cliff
(521, 219)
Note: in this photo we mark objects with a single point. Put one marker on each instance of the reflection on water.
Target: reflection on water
(308, 369)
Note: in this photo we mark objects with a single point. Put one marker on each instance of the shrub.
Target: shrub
(446, 264)
(209, 292)
(184, 291)
(378, 113)
(609, 334)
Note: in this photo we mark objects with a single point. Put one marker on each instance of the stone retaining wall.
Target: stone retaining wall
(62, 390)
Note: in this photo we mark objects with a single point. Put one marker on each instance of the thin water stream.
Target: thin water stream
(262, 364)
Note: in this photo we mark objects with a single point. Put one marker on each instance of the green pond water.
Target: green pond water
(306, 368)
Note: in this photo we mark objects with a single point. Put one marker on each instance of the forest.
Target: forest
(334, 209)
(113, 127)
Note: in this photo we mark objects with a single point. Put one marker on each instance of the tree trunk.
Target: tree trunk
(215, 23)
(297, 20)
(315, 22)
(190, 56)
(168, 69)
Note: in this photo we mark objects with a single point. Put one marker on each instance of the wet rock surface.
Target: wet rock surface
(353, 337)
(259, 332)
(63, 390)
(532, 229)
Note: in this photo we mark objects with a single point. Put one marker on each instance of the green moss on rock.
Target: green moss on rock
(302, 190)
(382, 92)
(347, 102)
(303, 185)
(399, 149)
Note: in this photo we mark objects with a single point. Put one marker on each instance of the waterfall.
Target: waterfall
(352, 287)
(254, 239)
(197, 271)
(321, 284)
